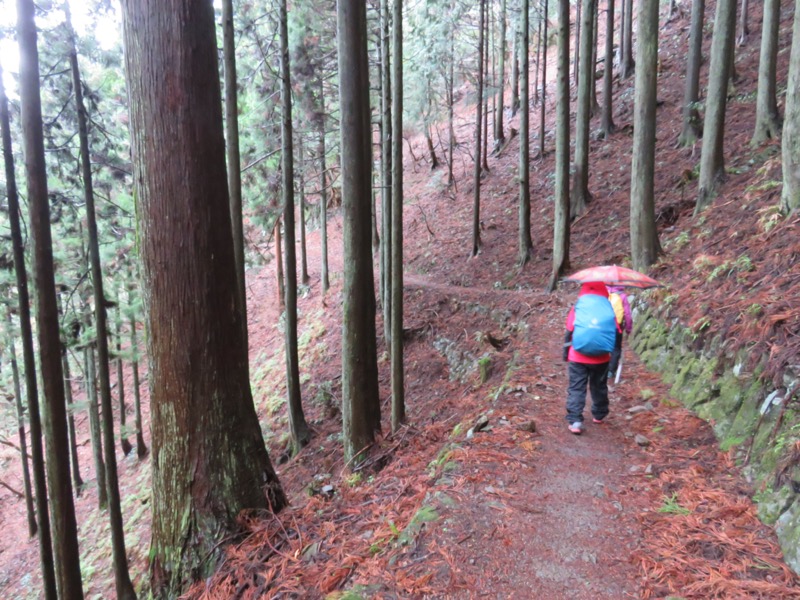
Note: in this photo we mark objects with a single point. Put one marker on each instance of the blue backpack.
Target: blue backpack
(595, 325)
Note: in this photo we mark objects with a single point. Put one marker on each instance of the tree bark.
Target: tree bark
(544, 84)
(65, 531)
(499, 134)
(607, 123)
(644, 236)
(594, 106)
(561, 222)
(234, 160)
(360, 400)
(486, 47)
(141, 447)
(451, 130)
(692, 125)
(580, 182)
(122, 580)
(125, 445)
(281, 285)
(94, 428)
(790, 197)
(30, 510)
(398, 389)
(744, 30)
(577, 57)
(476, 180)
(524, 211)
(210, 462)
(515, 72)
(712, 160)
(301, 184)
(297, 421)
(768, 119)
(539, 43)
(627, 64)
(77, 482)
(323, 194)
(386, 168)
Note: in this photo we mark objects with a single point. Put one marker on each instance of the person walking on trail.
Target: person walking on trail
(622, 311)
(591, 334)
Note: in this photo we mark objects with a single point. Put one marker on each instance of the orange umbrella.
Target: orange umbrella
(614, 275)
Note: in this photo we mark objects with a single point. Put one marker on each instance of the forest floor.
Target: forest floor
(643, 506)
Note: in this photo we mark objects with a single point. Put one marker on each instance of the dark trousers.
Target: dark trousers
(579, 375)
(615, 356)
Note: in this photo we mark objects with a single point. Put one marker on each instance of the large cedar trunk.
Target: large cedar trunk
(712, 162)
(644, 237)
(209, 459)
(790, 198)
(62, 508)
(692, 124)
(360, 400)
(561, 223)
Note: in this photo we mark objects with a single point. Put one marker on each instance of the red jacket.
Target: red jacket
(599, 289)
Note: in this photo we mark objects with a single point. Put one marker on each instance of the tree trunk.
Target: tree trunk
(790, 197)
(524, 212)
(561, 223)
(451, 130)
(539, 44)
(281, 285)
(594, 107)
(234, 161)
(515, 72)
(304, 278)
(499, 134)
(485, 95)
(672, 9)
(712, 161)
(94, 428)
(23, 446)
(768, 120)
(577, 57)
(398, 390)
(627, 65)
(122, 580)
(607, 124)
(386, 169)
(141, 447)
(744, 29)
(77, 482)
(476, 180)
(297, 421)
(323, 194)
(692, 127)
(123, 430)
(210, 462)
(644, 237)
(28, 360)
(65, 531)
(360, 400)
(580, 183)
(544, 84)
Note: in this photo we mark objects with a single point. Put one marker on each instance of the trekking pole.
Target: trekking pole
(619, 368)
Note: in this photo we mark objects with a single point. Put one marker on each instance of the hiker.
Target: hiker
(622, 310)
(591, 334)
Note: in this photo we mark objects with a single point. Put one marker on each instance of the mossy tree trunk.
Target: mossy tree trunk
(360, 400)
(712, 160)
(790, 197)
(692, 124)
(644, 237)
(209, 458)
(561, 223)
(768, 119)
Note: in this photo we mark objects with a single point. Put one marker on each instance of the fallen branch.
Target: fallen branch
(12, 490)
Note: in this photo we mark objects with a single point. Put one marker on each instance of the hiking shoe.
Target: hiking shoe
(576, 428)
(598, 421)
